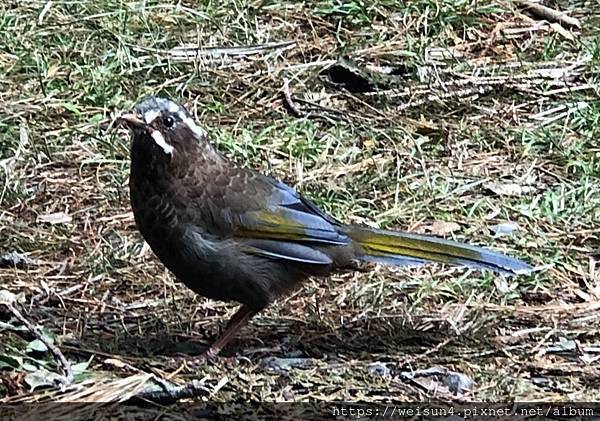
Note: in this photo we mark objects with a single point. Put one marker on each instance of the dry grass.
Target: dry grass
(490, 116)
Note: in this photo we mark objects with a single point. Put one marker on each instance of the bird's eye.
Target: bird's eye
(168, 122)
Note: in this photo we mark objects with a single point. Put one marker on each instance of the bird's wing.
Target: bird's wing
(269, 217)
(276, 249)
(287, 216)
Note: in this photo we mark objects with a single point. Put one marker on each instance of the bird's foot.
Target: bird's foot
(200, 360)
(239, 319)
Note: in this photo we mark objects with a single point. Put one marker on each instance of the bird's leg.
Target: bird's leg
(237, 321)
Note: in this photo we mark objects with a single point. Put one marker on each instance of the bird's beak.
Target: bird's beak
(132, 120)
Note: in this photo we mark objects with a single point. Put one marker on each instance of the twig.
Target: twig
(549, 14)
(288, 99)
(45, 10)
(340, 114)
(460, 94)
(58, 355)
(187, 52)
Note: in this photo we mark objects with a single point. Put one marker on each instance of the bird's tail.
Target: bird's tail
(405, 249)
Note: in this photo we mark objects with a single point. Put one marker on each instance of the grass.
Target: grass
(483, 98)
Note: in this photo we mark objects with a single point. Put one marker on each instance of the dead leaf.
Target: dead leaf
(556, 27)
(280, 365)
(432, 378)
(52, 70)
(43, 378)
(501, 285)
(55, 218)
(509, 189)
(379, 369)
(7, 297)
(36, 346)
(564, 345)
(505, 228)
(442, 227)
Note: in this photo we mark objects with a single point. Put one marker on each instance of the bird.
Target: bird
(231, 233)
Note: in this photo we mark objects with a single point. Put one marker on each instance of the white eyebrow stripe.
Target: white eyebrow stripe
(160, 141)
(198, 131)
(150, 116)
(172, 107)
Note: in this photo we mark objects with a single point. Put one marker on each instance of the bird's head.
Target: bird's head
(164, 126)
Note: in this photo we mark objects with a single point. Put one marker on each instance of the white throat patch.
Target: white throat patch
(159, 139)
